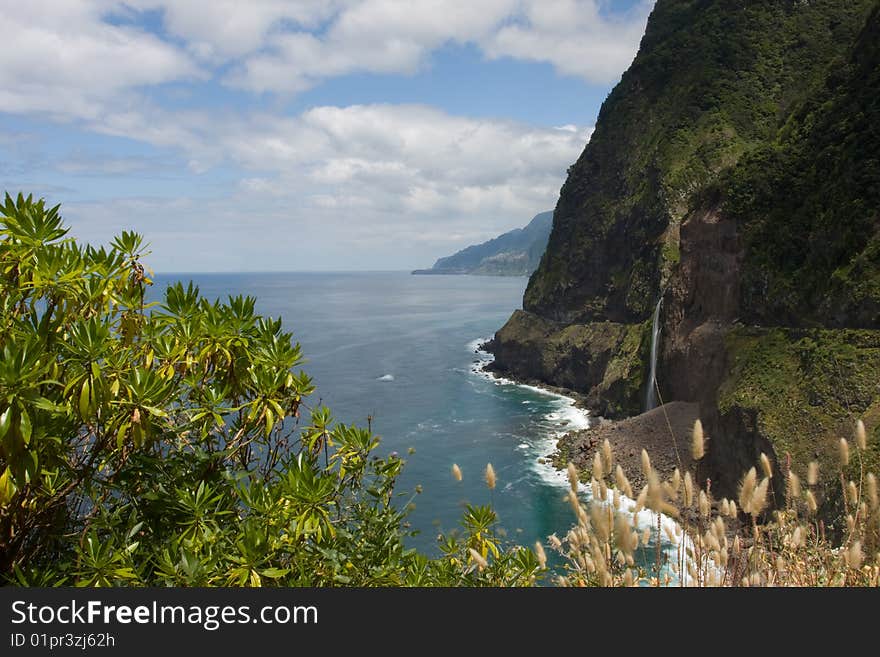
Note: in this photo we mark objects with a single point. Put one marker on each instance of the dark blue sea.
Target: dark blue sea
(401, 349)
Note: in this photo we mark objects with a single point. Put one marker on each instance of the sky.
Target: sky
(295, 135)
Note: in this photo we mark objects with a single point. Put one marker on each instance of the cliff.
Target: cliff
(734, 172)
(515, 253)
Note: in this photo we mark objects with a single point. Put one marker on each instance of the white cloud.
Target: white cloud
(389, 36)
(61, 58)
(222, 29)
(367, 143)
(410, 181)
(362, 173)
(80, 163)
(429, 160)
(574, 36)
(85, 58)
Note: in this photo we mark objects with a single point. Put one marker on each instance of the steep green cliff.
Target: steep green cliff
(734, 171)
(807, 204)
(713, 79)
(806, 208)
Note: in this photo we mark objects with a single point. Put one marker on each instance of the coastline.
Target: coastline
(627, 436)
(665, 432)
(579, 400)
(555, 466)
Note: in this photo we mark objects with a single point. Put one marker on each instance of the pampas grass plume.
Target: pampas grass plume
(539, 552)
(765, 466)
(747, 490)
(598, 466)
(646, 462)
(861, 436)
(794, 485)
(478, 558)
(759, 499)
(688, 489)
(852, 492)
(844, 452)
(872, 491)
(704, 505)
(490, 476)
(854, 556)
(607, 456)
(572, 476)
(811, 502)
(697, 443)
(622, 482)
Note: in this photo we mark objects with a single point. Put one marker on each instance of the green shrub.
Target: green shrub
(167, 444)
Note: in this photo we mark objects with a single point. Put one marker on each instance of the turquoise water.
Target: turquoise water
(400, 348)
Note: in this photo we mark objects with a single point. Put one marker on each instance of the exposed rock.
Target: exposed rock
(603, 361)
(665, 432)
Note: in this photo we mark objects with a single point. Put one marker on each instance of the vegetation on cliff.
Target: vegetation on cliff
(712, 80)
(735, 170)
(807, 204)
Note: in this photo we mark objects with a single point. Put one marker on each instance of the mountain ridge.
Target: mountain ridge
(514, 253)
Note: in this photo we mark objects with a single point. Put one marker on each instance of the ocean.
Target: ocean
(401, 349)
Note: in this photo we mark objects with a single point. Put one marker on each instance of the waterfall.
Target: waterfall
(651, 393)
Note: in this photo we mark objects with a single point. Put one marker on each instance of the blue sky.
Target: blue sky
(303, 134)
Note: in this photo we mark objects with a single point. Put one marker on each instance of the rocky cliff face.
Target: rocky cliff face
(734, 170)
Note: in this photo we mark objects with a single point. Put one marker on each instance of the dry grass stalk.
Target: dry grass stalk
(490, 476)
(861, 436)
(697, 442)
(542, 556)
(776, 549)
(572, 476)
(766, 467)
(478, 559)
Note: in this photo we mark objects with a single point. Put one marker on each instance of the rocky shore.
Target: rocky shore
(665, 432)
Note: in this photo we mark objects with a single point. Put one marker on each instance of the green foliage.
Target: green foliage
(167, 444)
(805, 387)
(713, 80)
(807, 204)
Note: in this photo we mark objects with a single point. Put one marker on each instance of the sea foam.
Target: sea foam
(564, 417)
